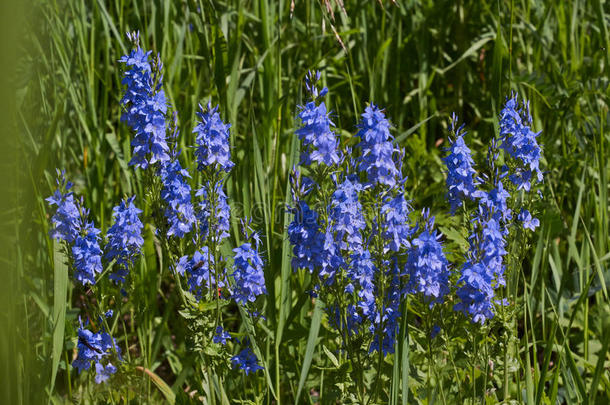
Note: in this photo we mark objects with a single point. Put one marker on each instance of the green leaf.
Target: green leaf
(60, 290)
(311, 345)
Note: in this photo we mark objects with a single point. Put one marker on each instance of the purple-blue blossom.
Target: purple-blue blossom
(519, 141)
(483, 270)
(221, 336)
(361, 272)
(246, 360)
(248, 274)
(529, 222)
(199, 270)
(377, 149)
(65, 220)
(145, 107)
(212, 141)
(347, 220)
(320, 143)
(218, 202)
(305, 237)
(86, 252)
(176, 192)
(427, 266)
(395, 222)
(124, 238)
(461, 180)
(384, 324)
(94, 347)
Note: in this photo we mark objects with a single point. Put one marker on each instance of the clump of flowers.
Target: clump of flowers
(145, 106)
(96, 348)
(248, 263)
(483, 270)
(519, 141)
(124, 238)
(461, 181)
(70, 224)
(427, 267)
(176, 192)
(320, 144)
(246, 360)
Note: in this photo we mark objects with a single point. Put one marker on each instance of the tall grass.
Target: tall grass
(421, 60)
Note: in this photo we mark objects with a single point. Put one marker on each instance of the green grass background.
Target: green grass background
(421, 60)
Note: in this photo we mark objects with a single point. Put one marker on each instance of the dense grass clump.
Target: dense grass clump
(296, 157)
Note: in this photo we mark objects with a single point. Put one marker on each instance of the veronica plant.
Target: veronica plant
(354, 229)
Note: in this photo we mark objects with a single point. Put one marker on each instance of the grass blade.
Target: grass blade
(60, 290)
(311, 345)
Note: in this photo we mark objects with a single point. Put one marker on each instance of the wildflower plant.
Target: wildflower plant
(355, 231)
(190, 225)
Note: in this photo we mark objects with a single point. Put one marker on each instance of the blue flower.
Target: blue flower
(103, 373)
(346, 217)
(395, 222)
(305, 237)
(200, 271)
(483, 271)
(222, 214)
(320, 143)
(176, 191)
(427, 267)
(495, 203)
(519, 141)
(361, 271)
(529, 222)
(86, 251)
(94, 347)
(221, 336)
(124, 238)
(384, 325)
(377, 158)
(461, 181)
(212, 141)
(65, 220)
(246, 360)
(248, 275)
(145, 107)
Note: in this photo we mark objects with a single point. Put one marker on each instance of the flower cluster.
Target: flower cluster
(377, 158)
(346, 218)
(483, 271)
(86, 251)
(212, 141)
(427, 267)
(70, 224)
(351, 246)
(461, 182)
(319, 142)
(200, 271)
(396, 229)
(66, 218)
(176, 192)
(124, 238)
(246, 360)
(519, 141)
(213, 210)
(96, 347)
(145, 106)
(248, 275)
